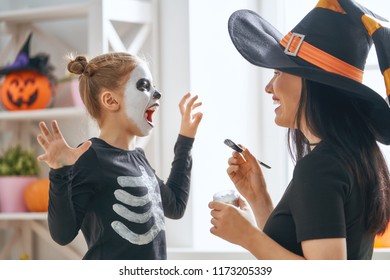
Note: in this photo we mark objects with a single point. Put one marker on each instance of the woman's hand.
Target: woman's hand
(57, 152)
(231, 223)
(189, 120)
(245, 172)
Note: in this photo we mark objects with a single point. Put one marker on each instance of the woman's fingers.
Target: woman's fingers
(232, 169)
(249, 156)
(236, 159)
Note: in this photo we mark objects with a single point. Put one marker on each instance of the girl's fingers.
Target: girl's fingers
(42, 157)
(183, 102)
(56, 130)
(192, 102)
(84, 147)
(187, 107)
(45, 131)
(42, 141)
(197, 118)
(196, 105)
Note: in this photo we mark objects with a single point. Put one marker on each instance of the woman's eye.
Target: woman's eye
(143, 85)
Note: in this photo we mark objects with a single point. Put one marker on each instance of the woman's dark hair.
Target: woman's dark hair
(344, 123)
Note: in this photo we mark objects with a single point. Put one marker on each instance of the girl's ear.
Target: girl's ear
(108, 101)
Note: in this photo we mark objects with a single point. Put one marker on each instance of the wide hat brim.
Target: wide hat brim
(259, 43)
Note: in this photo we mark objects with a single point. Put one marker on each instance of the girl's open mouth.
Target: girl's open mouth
(149, 113)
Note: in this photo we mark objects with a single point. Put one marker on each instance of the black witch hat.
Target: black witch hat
(23, 61)
(330, 45)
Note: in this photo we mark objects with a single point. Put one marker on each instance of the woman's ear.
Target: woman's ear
(109, 101)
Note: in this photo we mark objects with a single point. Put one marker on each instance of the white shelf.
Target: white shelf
(45, 114)
(44, 13)
(239, 254)
(24, 216)
(381, 254)
(130, 11)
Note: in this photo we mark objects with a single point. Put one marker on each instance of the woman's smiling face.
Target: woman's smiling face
(141, 99)
(286, 93)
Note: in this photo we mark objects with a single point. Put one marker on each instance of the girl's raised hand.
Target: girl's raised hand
(189, 120)
(57, 151)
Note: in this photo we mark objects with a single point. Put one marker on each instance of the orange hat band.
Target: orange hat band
(372, 25)
(296, 46)
(386, 76)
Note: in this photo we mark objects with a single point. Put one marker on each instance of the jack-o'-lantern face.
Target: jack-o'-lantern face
(25, 90)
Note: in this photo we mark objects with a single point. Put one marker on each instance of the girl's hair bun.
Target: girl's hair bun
(80, 66)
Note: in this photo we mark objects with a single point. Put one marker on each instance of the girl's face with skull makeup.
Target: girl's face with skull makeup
(141, 99)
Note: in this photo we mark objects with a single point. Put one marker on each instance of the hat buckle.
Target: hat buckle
(293, 36)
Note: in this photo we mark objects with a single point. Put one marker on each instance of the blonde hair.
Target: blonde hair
(108, 71)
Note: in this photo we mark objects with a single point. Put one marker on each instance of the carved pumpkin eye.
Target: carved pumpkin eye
(29, 81)
(14, 82)
(25, 90)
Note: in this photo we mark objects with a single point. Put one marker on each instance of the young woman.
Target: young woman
(106, 187)
(339, 196)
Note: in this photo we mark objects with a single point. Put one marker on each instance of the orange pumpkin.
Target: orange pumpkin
(36, 196)
(25, 90)
(383, 241)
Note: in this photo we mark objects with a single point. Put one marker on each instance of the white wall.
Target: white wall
(235, 107)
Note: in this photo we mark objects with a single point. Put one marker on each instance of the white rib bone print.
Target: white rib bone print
(126, 198)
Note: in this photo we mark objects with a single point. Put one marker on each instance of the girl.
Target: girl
(106, 187)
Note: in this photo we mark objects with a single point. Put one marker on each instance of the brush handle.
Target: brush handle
(237, 148)
(263, 164)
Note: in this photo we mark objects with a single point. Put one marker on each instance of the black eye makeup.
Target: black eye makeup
(143, 85)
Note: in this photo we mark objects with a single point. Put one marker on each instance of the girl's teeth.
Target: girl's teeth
(276, 102)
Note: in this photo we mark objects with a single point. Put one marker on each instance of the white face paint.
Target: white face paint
(141, 99)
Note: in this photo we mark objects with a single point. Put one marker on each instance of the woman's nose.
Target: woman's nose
(268, 87)
(156, 94)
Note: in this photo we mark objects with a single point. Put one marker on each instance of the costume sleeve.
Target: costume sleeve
(322, 189)
(71, 188)
(175, 192)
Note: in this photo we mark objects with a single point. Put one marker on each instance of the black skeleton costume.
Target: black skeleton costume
(118, 202)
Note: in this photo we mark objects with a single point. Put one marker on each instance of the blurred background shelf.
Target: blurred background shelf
(24, 216)
(381, 254)
(23, 229)
(44, 114)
